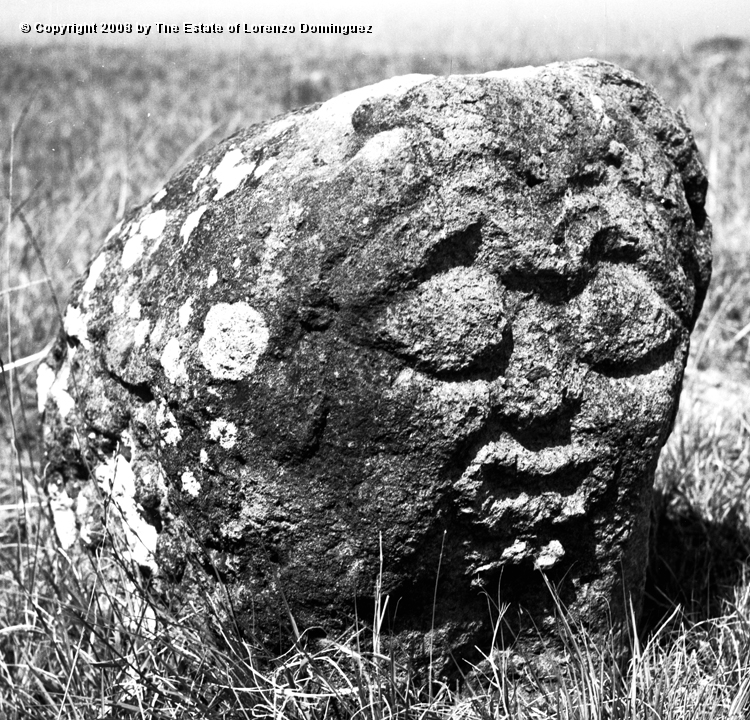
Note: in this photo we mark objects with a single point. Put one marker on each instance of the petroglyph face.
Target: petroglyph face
(444, 319)
(526, 389)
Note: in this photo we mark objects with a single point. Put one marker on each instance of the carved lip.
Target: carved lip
(508, 486)
(507, 454)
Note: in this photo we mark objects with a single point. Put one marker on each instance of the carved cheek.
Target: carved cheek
(452, 324)
(624, 325)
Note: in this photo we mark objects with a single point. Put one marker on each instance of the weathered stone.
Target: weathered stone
(446, 318)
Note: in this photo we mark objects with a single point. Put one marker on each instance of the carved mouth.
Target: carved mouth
(506, 483)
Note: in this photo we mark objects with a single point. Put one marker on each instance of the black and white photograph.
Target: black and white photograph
(386, 361)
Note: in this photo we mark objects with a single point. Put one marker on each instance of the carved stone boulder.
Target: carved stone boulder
(428, 336)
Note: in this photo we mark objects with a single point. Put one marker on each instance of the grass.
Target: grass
(87, 133)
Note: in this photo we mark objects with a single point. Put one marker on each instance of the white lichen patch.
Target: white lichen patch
(203, 173)
(185, 312)
(264, 167)
(223, 432)
(116, 229)
(158, 331)
(132, 252)
(275, 129)
(191, 222)
(140, 334)
(152, 226)
(64, 401)
(213, 278)
(171, 361)
(134, 311)
(49, 385)
(383, 145)
(526, 72)
(63, 516)
(119, 303)
(167, 424)
(190, 484)
(45, 377)
(236, 264)
(95, 271)
(203, 457)
(344, 105)
(235, 336)
(75, 326)
(230, 173)
(117, 480)
(597, 103)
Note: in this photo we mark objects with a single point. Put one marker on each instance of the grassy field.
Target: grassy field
(85, 134)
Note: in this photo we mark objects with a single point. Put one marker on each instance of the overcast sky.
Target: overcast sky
(588, 26)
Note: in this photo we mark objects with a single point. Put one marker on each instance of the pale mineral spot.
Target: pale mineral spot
(213, 278)
(191, 222)
(223, 432)
(235, 336)
(190, 484)
(203, 457)
(230, 173)
(159, 196)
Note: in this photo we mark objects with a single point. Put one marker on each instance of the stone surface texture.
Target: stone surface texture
(437, 323)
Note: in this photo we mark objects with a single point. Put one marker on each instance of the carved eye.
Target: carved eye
(622, 320)
(453, 322)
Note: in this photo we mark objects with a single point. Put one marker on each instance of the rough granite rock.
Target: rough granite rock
(441, 318)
